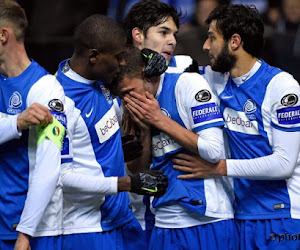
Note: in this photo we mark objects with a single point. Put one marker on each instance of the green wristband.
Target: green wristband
(54, 131)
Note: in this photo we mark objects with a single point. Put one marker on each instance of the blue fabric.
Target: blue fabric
(7, 244)
(14, 164)
(221, 235)
(109, 154)
(267, 199)
(46, 243)
(272, 234)
(130, 236)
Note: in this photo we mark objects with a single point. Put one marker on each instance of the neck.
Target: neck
(243, 65)
(14, 62)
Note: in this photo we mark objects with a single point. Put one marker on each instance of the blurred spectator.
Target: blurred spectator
(261, 5)
(118, 9)
(283, 47)
(193, 34)
(52, 23)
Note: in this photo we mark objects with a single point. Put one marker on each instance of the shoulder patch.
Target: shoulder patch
(289, 100)
(56, 105)
(203, 96)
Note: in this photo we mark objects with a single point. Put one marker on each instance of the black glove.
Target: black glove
(194, 67)
(149, 182)
(132, 147)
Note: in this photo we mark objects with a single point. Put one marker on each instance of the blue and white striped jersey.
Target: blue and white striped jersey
(29, 175)
(187, 99)
(97, 154)
(254, 108)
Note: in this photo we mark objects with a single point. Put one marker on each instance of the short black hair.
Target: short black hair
(12, 13)
(133, 67)
(243, 20)
(98, 32)
(148, 13)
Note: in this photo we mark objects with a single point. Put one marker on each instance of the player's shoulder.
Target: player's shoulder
(179, 63)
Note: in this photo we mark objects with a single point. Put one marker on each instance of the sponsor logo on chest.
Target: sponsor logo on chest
(163, 144)
(107, 126)
(239, 122)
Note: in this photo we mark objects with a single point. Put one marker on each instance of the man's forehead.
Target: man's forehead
(167, 23)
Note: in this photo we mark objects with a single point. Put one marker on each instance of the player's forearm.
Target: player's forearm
(42, 184)
(124, 184)
(8, 129)
(85, 184)
(181, 135)
(211, 144)
(277, 166)
(143, 162)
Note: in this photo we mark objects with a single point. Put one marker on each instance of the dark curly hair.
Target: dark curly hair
(242, 20)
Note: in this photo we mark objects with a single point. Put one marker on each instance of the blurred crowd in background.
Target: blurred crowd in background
(51, 25)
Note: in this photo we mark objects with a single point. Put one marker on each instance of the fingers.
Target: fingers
(36, 114)
(183, 168)
(186, 157)
(149, 96)
(187, 176)
(134, 111)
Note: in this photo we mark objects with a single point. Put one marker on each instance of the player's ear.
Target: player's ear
(3, 35)
(137, 35)
(235, 41)
(94, 55)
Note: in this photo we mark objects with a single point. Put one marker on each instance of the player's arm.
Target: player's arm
(210, 142)
(11, 126)
(279, 165)
(132, 125)
(140, 183)
(45, 173)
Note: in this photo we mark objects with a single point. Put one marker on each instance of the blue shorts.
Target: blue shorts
(7, 244)
(46, 242)
(218, 235)
(269, 234)
(129, 236)
(36, 243)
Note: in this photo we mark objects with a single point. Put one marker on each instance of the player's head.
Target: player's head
(140, 70)
(232, 27)
(100, 40)
(154, 25)
(13, 17)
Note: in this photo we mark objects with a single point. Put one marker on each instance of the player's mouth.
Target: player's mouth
(167, 54)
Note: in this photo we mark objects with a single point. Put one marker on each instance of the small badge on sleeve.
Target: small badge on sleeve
(56, 105)
(203, 96)
(289, 100)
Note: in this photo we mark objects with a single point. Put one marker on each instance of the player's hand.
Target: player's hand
(132, 147)
(196, 167)
(36, 114)
(145, 108)
(149, 182)
(23, 242)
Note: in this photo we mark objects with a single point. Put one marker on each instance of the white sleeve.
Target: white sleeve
(196, 103)
(8, 128)
(42, 185)
(189, 89)
(44, 90)
(279, 165)
(45, 173)
(211, 144)
(85, 184)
